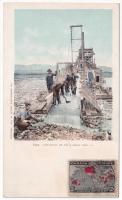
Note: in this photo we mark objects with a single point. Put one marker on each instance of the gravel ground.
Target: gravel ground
(56, 132)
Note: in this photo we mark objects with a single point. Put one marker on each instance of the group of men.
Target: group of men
(67, 86)
(24, 118)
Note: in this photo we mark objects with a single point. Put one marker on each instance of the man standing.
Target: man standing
(73, 83)
(49, 80)
(90, 76)
(56, 93)
(67, 83)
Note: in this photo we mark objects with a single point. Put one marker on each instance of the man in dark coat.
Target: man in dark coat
(73, 83)
(49, 80)
(67, 83)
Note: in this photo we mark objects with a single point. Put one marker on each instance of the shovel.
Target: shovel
(66, 99)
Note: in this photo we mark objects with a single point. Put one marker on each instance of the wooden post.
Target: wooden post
(82, 39)
(71, 45)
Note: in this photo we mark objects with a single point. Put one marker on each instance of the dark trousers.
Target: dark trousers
(56, 98)
(82, 101)
(49, 87)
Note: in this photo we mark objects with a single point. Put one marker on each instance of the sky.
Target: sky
(43, 36)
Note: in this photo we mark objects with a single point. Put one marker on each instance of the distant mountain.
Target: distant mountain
(107, 71)
(105, 68)
(33, 69)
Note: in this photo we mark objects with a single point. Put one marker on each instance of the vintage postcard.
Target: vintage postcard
(96, 177)
(63, 93)
(61, 97)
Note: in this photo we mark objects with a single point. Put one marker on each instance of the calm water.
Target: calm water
(21, 77)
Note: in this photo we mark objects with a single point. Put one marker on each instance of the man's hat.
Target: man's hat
(49, 70)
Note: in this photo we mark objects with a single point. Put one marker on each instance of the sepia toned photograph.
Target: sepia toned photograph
(63, 74)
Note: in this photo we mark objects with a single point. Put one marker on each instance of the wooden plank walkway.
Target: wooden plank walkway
(66, 114)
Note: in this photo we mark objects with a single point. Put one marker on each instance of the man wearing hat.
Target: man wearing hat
(49, 80)
(23, 117)
(90, 76)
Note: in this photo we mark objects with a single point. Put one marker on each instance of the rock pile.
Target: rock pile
(56, 132)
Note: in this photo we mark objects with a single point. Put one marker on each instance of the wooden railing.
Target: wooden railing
(90, 97)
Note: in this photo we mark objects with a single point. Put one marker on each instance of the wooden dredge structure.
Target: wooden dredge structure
(82, 59)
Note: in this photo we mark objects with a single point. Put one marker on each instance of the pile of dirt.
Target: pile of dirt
(56, 132)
